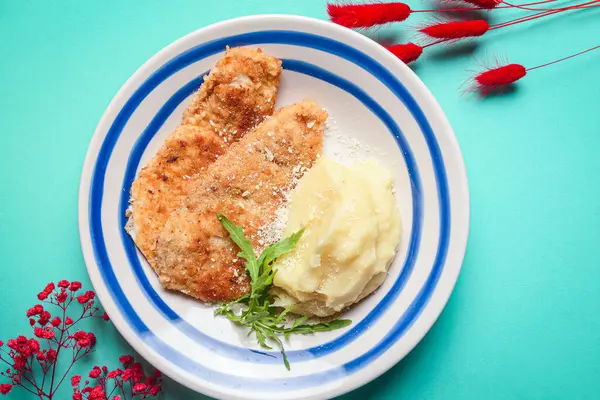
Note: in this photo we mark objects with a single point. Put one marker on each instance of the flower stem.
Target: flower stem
(563, 59)
(60, 343)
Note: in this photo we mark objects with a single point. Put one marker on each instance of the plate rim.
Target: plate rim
(437, 301)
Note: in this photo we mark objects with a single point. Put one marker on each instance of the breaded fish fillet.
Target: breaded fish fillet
(238, 93)
(247, 184)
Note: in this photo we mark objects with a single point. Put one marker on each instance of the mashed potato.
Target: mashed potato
(352, 231)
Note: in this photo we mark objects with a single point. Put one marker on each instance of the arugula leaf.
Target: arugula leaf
(247, 253)
(280, 248)
(258, 314)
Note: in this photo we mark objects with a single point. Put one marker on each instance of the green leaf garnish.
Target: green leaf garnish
(258, 314)
(246, 252)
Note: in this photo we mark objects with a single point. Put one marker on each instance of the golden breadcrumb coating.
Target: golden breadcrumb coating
(247, 184)
(238, 94)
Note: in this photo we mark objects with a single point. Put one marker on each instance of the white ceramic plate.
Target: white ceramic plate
(371, 97)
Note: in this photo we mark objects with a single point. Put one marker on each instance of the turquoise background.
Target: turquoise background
(523, 321)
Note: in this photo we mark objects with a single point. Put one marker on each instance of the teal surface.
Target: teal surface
(523, 321)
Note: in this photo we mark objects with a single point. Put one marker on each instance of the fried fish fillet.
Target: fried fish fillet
(238, 93)
(247, 184)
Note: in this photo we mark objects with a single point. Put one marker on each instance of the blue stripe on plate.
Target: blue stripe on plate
(188, 57)
(241, 353)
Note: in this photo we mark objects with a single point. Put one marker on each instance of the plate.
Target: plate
(372, 99)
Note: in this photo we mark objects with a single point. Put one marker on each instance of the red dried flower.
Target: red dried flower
(117, 397)
(157, 373)
(485, 4)
(456, 29)
(126, 360)
(44, 318)
(97, 393)
(127, 374)
(82, 299)
(138, 372)
(18, 344)
(51, 355)
(95, 372)
(115, 373)
(75, 379)
(35, 310)
(34, 346)
(493, 78)
(84, 339)
(1, 343)
(367, 15)
(22, 349)
(44, 333)
(19, 362)
(5, 388)
(61, 297)
(63, 284)
(407, 53)
(154, 390)
(43, 295)
(139, 387)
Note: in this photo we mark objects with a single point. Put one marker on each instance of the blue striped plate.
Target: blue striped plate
(370, 96)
